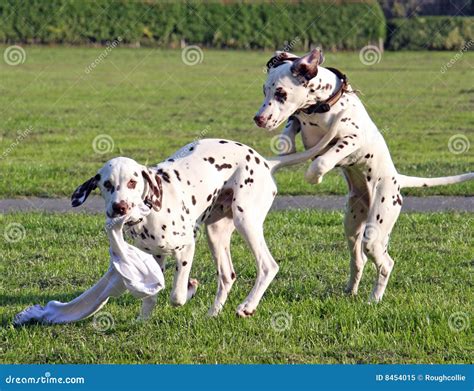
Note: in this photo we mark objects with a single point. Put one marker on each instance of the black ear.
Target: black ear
(83, 191)
(279, 58)
(306, 67)
(154, 196)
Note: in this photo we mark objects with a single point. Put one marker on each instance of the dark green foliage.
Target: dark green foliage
(347, 25)
(434, 32)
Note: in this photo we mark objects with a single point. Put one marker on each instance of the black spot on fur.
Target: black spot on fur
(222, 166)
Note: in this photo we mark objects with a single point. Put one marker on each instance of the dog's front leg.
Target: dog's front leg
(327, 161)
(161, 260)
(183, 288)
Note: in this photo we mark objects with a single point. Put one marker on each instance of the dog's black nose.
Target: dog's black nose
(120, 208)
(259, 120)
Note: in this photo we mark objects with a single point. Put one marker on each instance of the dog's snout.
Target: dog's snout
(259, 120)
(120, 208)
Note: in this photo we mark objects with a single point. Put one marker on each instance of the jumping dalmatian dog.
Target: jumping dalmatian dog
(223, 184)
(309, 96)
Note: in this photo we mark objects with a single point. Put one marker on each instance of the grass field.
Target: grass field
(424, 317)
(151, 103)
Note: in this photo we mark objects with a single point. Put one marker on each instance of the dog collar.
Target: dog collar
(132, 223)
(325, 105)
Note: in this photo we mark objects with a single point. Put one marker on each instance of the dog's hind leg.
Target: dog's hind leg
(249, 223)
(219, 233)
(382, 217)
(354, 225)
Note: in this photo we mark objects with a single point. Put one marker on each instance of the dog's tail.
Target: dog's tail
(278, 162)
(413, 181)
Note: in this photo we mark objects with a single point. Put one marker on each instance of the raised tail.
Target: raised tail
(413, 181)
(278, 162)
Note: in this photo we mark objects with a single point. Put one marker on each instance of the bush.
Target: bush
(433, 32)
(350, 25)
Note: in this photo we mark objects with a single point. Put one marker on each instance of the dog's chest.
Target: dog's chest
(163, 232)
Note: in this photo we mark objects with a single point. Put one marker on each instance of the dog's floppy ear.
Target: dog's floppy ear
(306, 67)
(279, 58)
(83, 191)
(154, 196)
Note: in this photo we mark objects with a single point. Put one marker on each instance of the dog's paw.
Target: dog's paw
(193, 285)
(214, 311)
(313, 179)
(245, 310)
(350, 290)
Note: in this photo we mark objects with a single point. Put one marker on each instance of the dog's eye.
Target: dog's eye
(280, 95)
(107, 185)
(131, 184)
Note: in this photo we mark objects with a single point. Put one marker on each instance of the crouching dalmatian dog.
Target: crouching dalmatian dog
(220, 183)
(309, 96)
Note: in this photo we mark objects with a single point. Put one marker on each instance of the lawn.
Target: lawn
(304, 317)
(150, 103)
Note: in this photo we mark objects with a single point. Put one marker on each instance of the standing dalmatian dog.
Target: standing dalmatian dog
(224, 184)
(309, 96)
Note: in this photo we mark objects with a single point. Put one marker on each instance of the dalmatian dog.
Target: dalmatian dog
(223, 184)
(309, 96)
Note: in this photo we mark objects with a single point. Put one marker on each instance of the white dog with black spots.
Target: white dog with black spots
(223, 184)
(309, 96)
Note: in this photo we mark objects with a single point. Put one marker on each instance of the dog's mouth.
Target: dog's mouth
(273, 126)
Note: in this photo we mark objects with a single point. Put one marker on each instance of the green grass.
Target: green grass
(432, 280)
(151, 103)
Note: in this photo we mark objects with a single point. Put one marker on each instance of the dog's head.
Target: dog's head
(124, 184)
(288, 87)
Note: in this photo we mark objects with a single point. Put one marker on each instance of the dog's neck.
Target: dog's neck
(322, 86)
